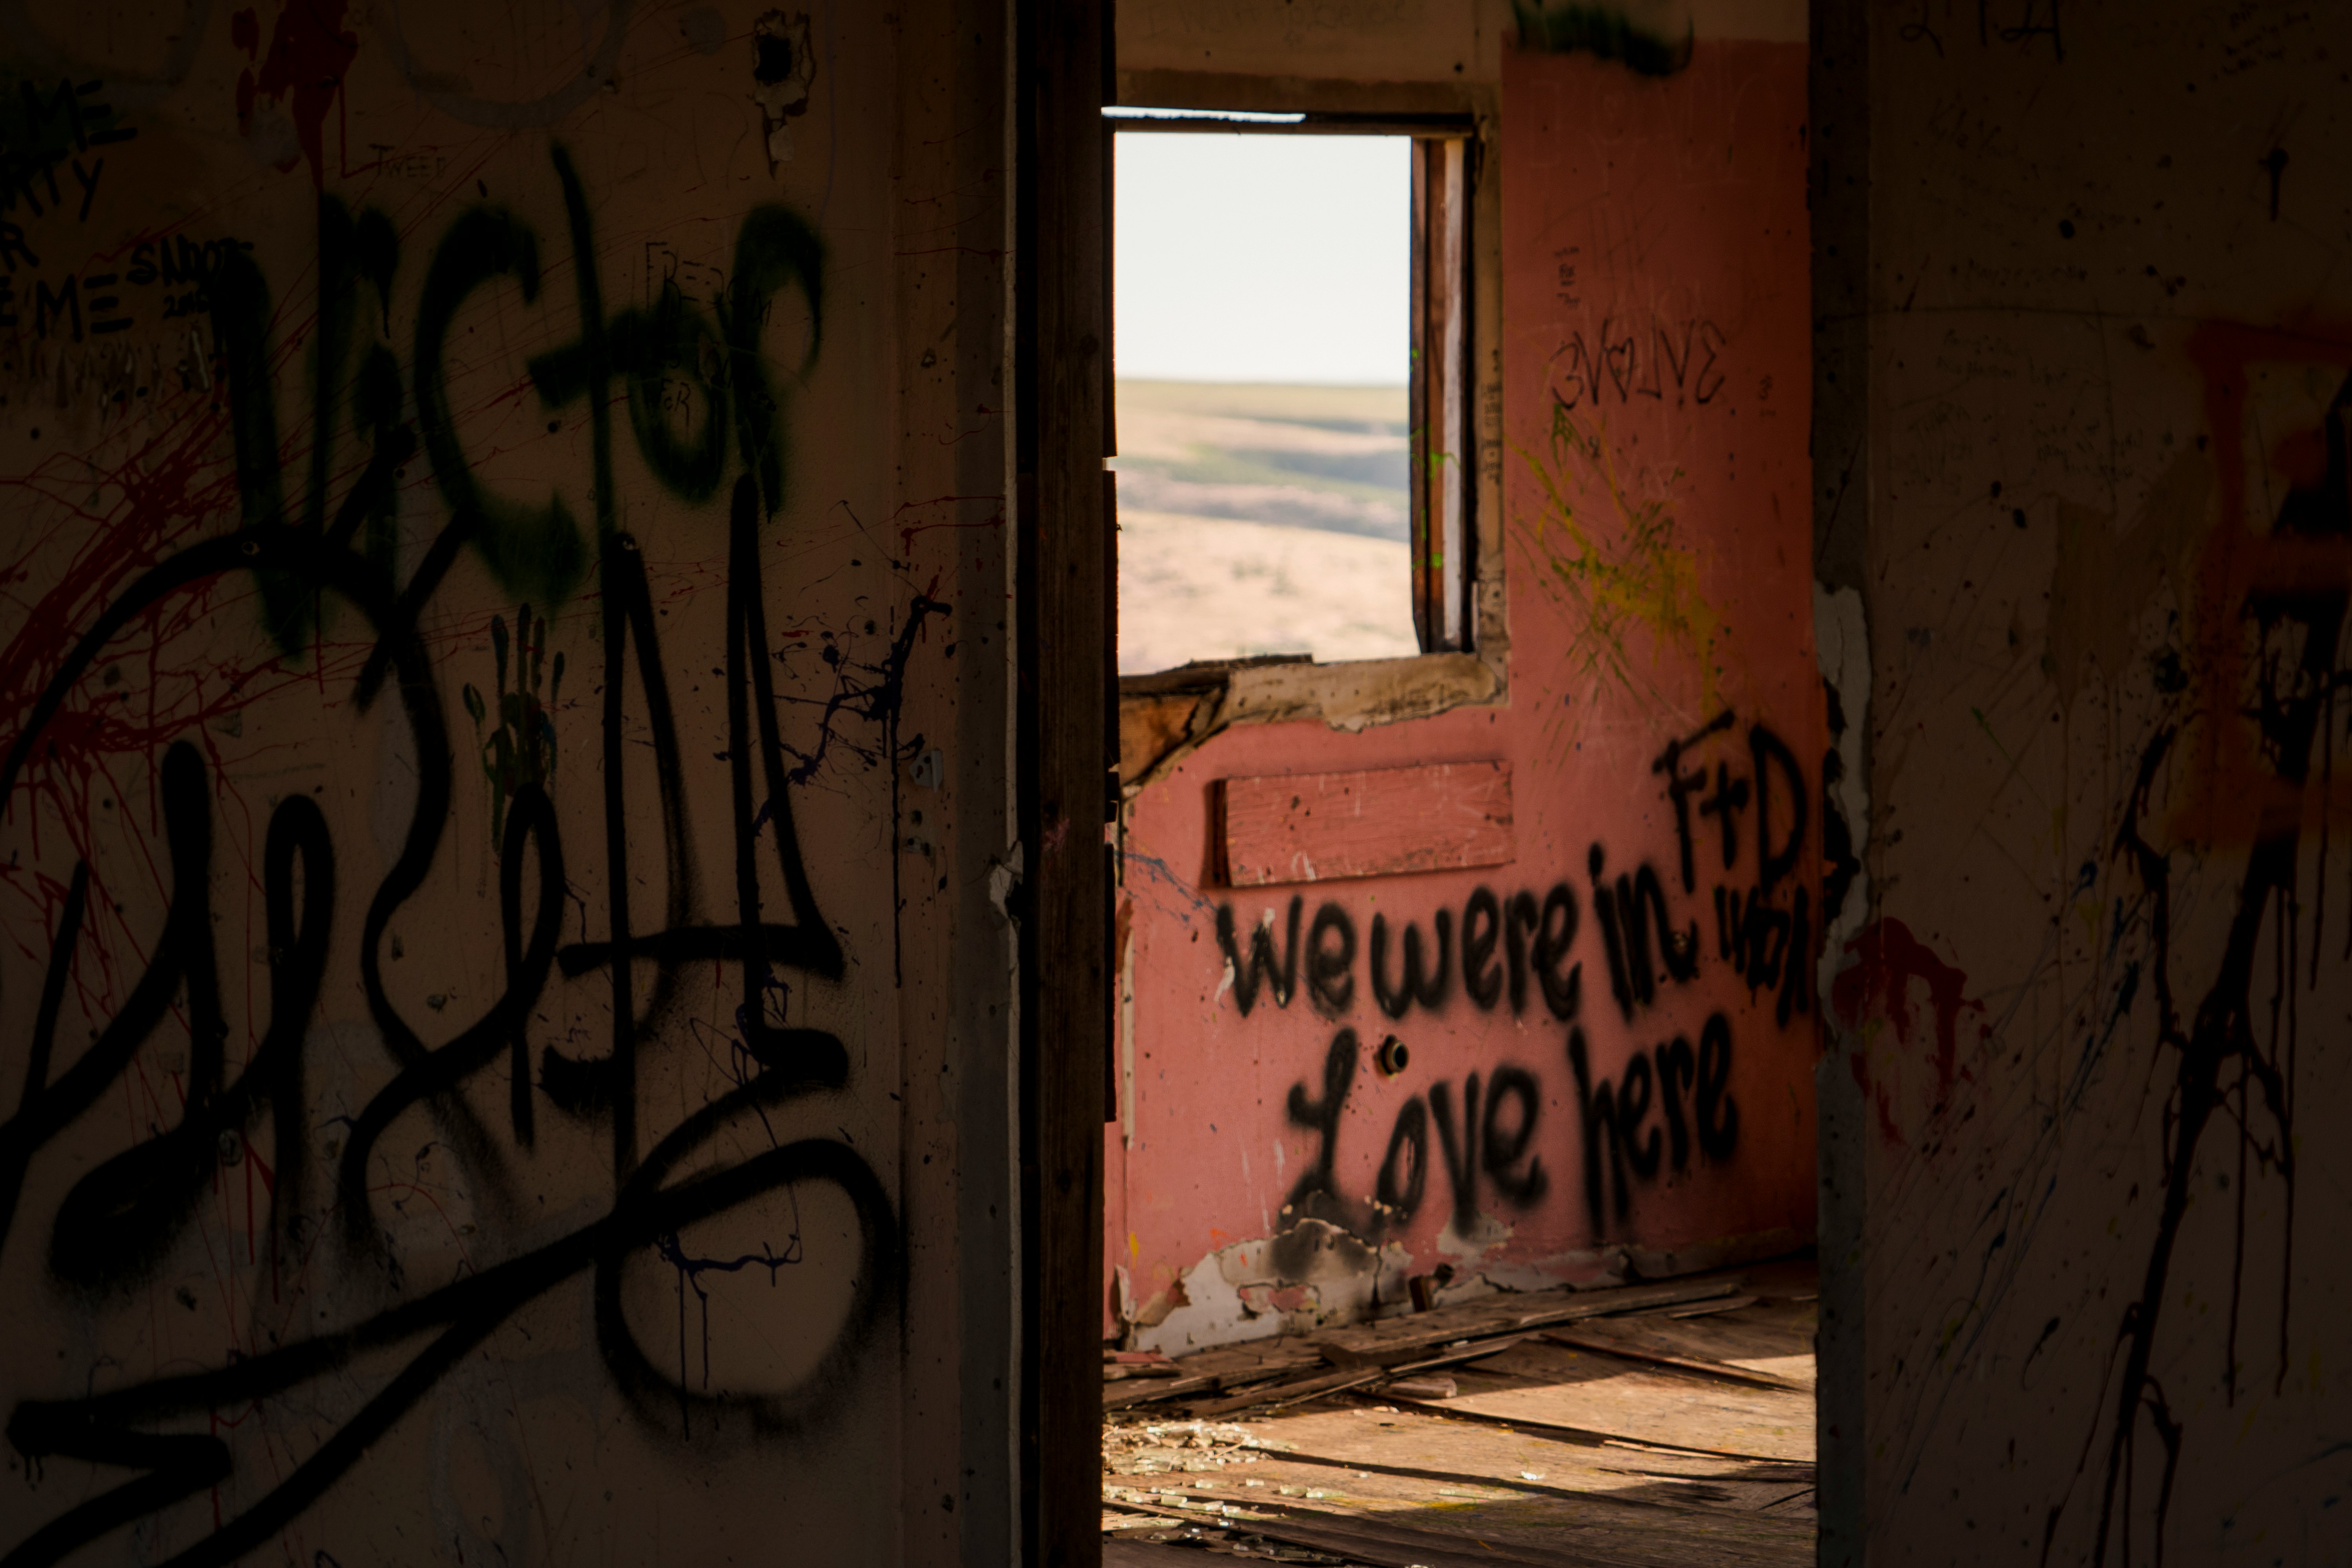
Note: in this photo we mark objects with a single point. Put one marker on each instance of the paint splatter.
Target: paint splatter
(1883, 960)
(1603, 30)
(1617, 575)
(310, 53)
(2234, 1049)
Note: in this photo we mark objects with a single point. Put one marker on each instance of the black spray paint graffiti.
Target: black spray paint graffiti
(1314, 1191)
(1487, 1136)
(1504, 942)
(1488, 1146)
(1670, 1103)
(519, 750)
(60, 129)
(119, 1220)
(1534, 939)
(1483, 1143)
(1677, 360)
(2229, 1079)
(1694, 1097)
(2016, 23)
(1764, 943)
(1629, 914)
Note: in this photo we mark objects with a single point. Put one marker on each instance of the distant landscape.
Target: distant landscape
(1258, 519)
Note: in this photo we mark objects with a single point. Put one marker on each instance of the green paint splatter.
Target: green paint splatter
(1601, 30)
(1630, 573)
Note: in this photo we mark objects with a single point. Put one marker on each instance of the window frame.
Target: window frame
(1444, 540)
(1458, 587)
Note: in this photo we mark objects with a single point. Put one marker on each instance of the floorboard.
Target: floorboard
(1546, 1453)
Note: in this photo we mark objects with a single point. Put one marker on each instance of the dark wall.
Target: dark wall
(2085, 355)
(503, 748)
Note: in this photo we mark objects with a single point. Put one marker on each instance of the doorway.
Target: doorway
(1464, 982)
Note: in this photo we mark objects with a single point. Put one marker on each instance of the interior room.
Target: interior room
(1392, 785)
(1461, 1193)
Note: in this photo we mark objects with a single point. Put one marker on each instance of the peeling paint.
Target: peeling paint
(1311, 1276)
(1351, 698)
(783, 69)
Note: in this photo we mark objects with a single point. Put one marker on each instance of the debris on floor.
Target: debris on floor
(1644, 1426)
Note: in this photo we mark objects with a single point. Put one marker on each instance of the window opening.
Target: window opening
(1290, 335)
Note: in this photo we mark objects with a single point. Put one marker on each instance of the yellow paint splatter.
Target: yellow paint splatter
(1615, 574)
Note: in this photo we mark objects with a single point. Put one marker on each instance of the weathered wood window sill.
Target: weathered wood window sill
(1164, 717)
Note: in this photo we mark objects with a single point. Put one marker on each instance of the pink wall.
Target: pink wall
(1657, 527)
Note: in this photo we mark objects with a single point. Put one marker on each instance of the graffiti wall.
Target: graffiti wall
(2087, 1055)
(1528, 1000)
(501, 711)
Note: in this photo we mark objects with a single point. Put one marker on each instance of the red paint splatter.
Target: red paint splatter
(1883, 959)
(308, 53)
(170, 487)
(906, 533)
(169, 675)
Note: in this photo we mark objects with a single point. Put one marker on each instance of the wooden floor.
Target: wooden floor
(1652, 1427)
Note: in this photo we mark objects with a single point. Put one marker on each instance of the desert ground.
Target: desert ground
(1261, 518)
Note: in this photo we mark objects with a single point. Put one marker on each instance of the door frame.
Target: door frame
(1065, 750)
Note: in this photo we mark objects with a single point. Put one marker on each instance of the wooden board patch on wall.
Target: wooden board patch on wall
(1322, 828)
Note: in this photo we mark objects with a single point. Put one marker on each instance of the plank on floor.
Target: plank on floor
(1490, 1521)
(1594, 1392)
(1386, 1543)
(1225, 1368)
(1773, 1339)
(1491, 1489)
(1544, 1521)
(1118, 1554)
(1366, 1436)
(1645, 1466)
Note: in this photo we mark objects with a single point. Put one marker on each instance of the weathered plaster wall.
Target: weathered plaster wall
(1264, 1173)
(2087, 1080)
(503, 698)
